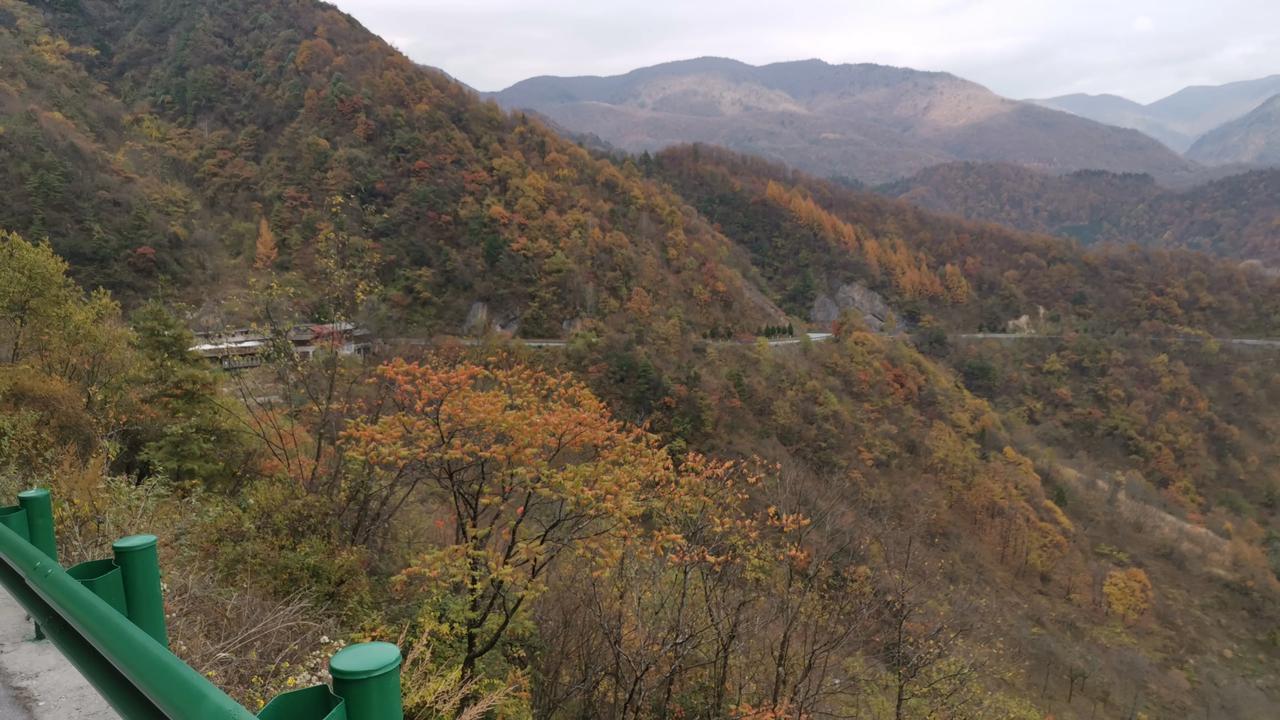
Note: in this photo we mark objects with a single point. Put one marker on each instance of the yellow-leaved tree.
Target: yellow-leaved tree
(517, 465)
(265, 250)
(1128, 592)
(65, 365)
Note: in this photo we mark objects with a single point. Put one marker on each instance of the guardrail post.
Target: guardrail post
(14, 517)
(314, 703)
(39, 507)
(139, 677)
(103, 579)
(367, 677)
(140, 574)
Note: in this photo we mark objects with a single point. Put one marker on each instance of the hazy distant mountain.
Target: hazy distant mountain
(869, 122)
(1254, 138)
(1121, 112)
(1236, 216)
(1198, 109)
(1179, 119)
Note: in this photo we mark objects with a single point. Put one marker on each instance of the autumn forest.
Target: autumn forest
(1025, 467)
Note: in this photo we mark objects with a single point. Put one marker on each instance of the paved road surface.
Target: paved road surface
(824, 337)
(36, 681)
(11, 707)
(1242, 342)
(538, 343)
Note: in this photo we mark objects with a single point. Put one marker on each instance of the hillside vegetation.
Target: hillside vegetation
(302, 155)
(653, 521)
(1235, 217)
(950, 275)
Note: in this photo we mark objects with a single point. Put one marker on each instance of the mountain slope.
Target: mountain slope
(1120, 112)
(293, 118)
(869, 122)
(1237, 216)
(1178, 120)
(1030, 483)
(734, 191)
(1253, 139)
(82, 171)
(1198, 109)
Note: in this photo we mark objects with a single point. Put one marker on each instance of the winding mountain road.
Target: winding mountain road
(816, 337)
(549, 343)
(1240, 342)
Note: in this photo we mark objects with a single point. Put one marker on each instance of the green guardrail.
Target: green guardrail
(107, 617)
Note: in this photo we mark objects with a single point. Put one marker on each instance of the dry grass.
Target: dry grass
(432, 693)
(252, 646)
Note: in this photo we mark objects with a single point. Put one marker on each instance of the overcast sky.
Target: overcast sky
(1143, 49)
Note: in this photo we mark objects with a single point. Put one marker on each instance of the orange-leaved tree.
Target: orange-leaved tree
(518, 466)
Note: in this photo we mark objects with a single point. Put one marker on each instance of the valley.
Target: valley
(712, 390)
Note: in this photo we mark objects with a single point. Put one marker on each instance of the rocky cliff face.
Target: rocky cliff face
(868, 303)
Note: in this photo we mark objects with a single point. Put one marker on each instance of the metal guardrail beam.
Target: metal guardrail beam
(107, 618)
(136, 674)
(115, 687)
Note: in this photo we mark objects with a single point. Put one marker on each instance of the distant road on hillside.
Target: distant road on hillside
(817, 337)
(549, 343)
(1242, 342)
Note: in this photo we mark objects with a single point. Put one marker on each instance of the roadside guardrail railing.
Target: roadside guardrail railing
(107, 617)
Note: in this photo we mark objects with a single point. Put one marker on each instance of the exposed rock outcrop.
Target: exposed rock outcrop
(875, 312)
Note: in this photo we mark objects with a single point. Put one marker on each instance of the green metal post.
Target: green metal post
(39, 507)
(367, 678)
(140, 572)
(314, 703)
(15, 518)
(125, 696)
(103, 579)
(141, 678)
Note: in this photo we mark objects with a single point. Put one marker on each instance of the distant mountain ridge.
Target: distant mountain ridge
(204, 148)
(1178, 120)
(1254, 138)
(1121, 112)
(1236, 216)
(873, 123)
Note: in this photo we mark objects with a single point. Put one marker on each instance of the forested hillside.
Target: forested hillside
(298, 150)
(84, 171)
(1235, 217)
(948, 275)
(655, 521)
(908, 251)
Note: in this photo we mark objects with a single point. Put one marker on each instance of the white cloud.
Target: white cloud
(1021, 48)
